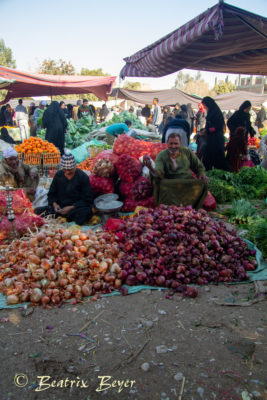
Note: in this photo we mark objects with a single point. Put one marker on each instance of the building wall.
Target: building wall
(255, 84)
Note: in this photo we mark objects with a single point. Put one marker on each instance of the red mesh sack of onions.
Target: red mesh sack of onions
(104, 168)
(156, 148)
(131, 204)
(101, 185)
(128, 168)
(106, 155)
(142, 188)
(20, 202)
(126, 189)
(22, 223)
(126, 145)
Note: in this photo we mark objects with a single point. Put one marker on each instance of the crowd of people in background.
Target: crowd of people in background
(208, 124)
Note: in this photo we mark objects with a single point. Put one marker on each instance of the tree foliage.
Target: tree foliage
(93, 72)
(224, 87)
(54, 67)
(182, 79)
(193, 85)
(6, 57)
(132, 85)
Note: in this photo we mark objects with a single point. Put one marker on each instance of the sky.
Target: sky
(99, 34)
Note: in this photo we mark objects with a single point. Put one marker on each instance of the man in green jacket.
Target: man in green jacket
(172, 176)
(85, 109)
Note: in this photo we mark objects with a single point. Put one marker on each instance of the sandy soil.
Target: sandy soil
(141, 346)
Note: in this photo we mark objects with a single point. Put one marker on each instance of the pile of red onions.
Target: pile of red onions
(58, 265)
(175, 246)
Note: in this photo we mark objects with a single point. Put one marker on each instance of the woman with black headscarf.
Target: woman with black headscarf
(241, 118)
(55, 122)
(6, 137)
(214, 151)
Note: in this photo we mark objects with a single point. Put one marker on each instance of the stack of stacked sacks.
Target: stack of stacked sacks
(135, 189)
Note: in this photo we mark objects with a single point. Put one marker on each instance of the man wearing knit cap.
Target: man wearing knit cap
(18, 174)
(70, 193)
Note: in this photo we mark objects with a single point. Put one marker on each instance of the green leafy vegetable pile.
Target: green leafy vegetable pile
(77, 132)
(257, 233)
(250, 183)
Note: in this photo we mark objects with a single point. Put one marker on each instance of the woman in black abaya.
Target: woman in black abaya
(55, 122)
(214, 151)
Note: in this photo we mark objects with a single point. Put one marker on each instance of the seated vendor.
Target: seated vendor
(172, 176)
(119, 129)
(18, 174)
(70, 195)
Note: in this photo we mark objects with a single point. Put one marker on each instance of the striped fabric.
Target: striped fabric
(222, 39)
(25, 84)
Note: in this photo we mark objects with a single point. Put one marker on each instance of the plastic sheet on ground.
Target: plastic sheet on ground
(260, 274)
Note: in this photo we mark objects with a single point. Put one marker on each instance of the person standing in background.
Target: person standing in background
(32, 126)
(36, 115)
(261, 116)
(157, 115)
(191, 117)
(176, 110)
(22, 121)
(241, 118)
(215, 126)
(8, 115)
(75, 110)
(55, 122)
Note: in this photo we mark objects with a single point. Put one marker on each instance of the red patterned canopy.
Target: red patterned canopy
(25, 84)
(222, 39)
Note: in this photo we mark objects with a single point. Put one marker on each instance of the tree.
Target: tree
(200, 88)
(224, 87)
(182, 79)
(6, 56)
(93, 72)
(132, 85)
(53, 67)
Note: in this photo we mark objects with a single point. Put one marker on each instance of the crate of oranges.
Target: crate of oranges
(35, 151)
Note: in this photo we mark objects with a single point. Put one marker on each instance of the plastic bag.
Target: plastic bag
(114, 224)
(40, 199)
(209, 202)
(101, 185)
(128, 168)
(80, 153)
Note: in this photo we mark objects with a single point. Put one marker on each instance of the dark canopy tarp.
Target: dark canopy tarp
(231, 101)
(166, 97)
(169, 97)
(25, 84)
(222, 39)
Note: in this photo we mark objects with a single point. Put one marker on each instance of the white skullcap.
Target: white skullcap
(10, 153)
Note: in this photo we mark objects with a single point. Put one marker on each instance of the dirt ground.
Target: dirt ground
(141, 346)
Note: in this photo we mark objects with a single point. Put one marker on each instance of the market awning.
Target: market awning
(222, 39)
(170, 97)
(25, 84)
(166, 97)
(232, 101)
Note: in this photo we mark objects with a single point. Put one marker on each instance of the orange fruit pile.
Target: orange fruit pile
(36, 145)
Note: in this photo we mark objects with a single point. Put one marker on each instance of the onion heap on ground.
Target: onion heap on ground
(176, 246)
(58, 265)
